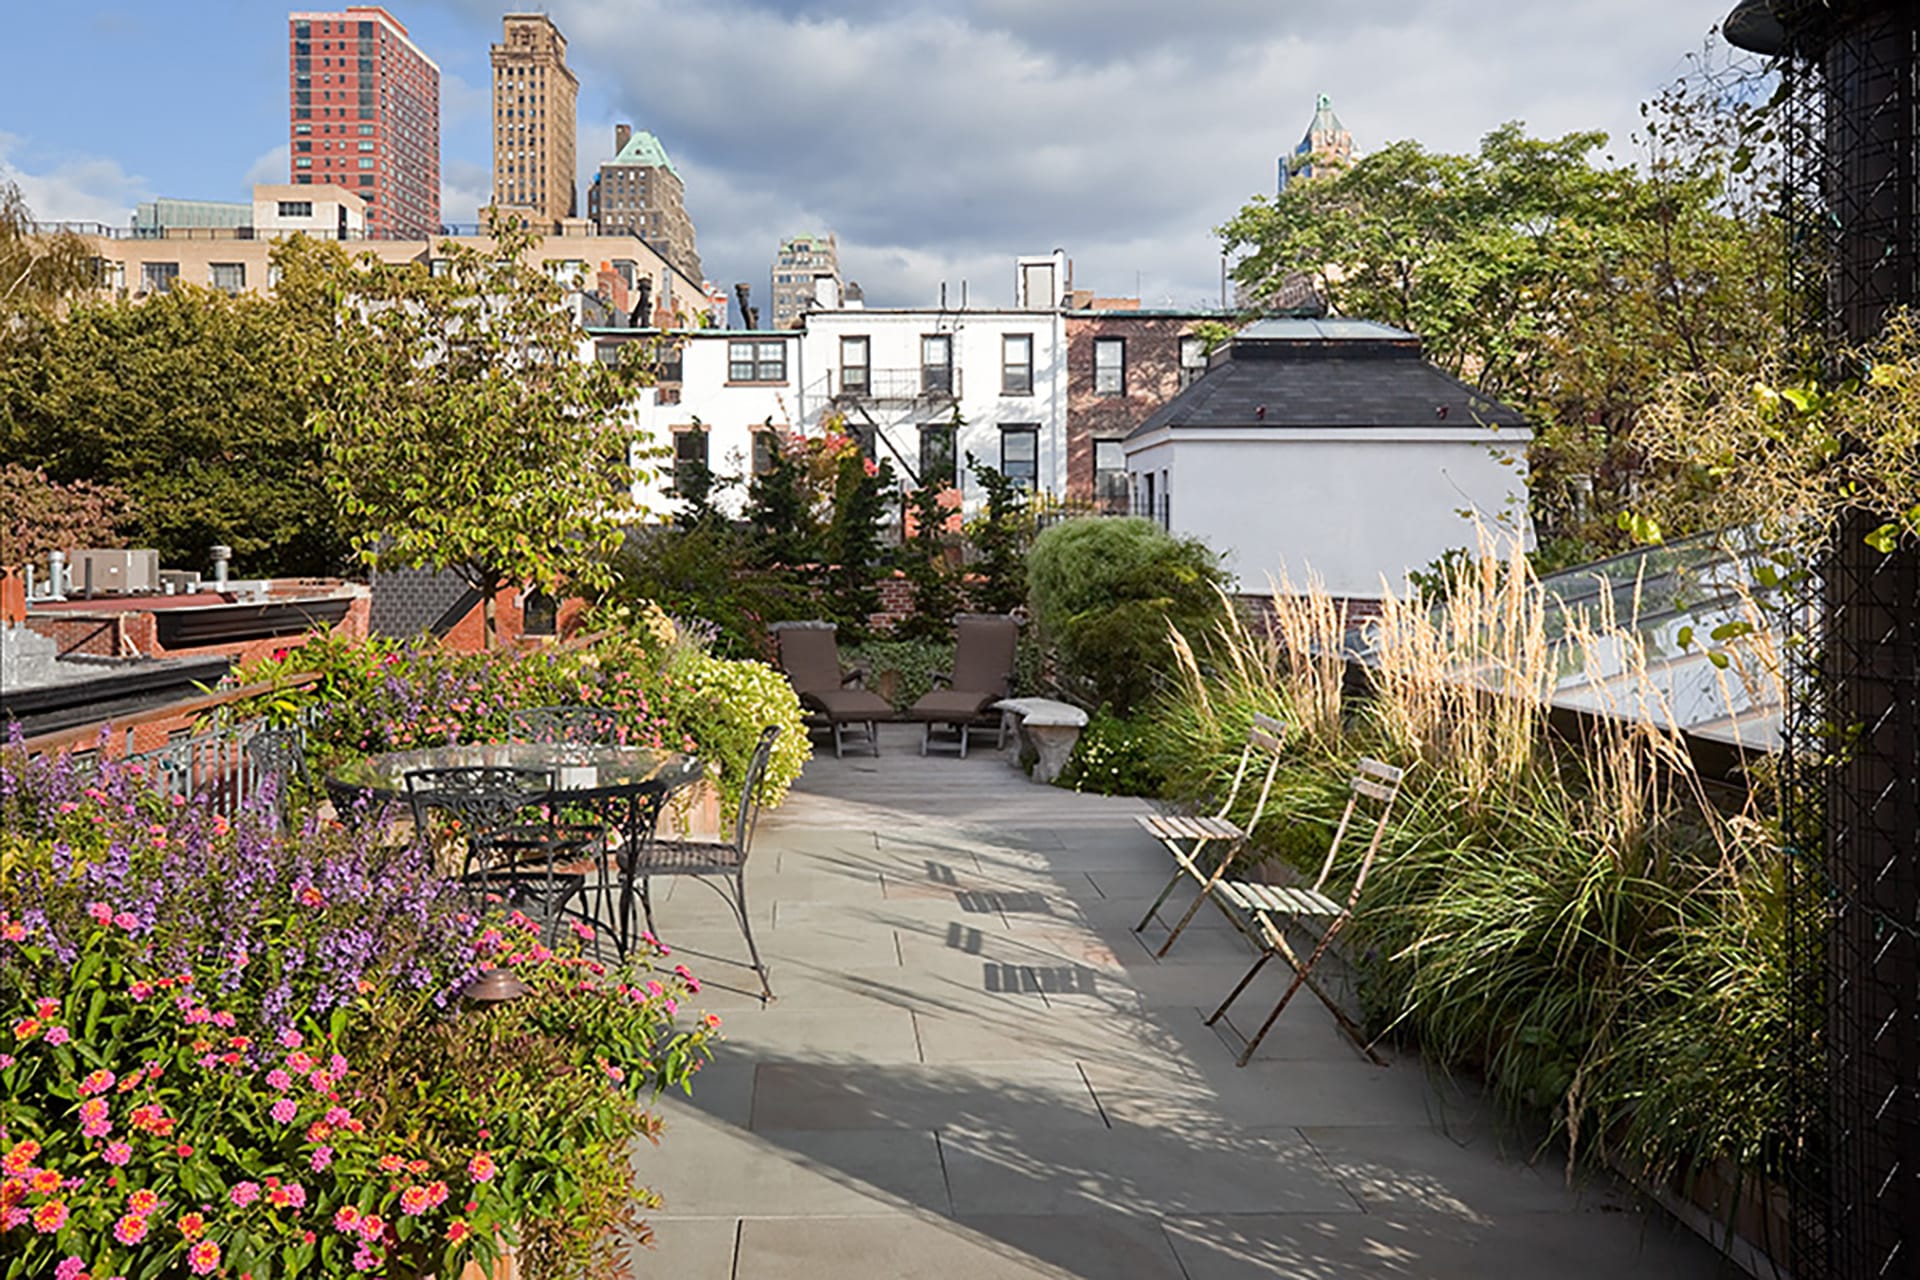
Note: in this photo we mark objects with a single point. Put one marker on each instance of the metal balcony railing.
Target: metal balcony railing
(894, 386)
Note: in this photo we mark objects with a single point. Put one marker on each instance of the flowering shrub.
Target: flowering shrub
(223, 1052)
(658, 677)
(1115, 756)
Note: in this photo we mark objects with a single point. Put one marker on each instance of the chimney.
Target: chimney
(621, 134)
(826, 293)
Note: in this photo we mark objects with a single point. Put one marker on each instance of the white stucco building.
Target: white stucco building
(1330, 447)
(922, 388)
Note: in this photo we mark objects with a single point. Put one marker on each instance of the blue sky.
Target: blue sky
(938, 138)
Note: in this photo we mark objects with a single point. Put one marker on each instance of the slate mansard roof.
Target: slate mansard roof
(1327, 373)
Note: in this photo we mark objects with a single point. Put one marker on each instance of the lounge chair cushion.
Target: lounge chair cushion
(848, 704)
(950, 706)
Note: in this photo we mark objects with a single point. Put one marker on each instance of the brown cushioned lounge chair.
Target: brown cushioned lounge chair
(810, 655)
(982, 675)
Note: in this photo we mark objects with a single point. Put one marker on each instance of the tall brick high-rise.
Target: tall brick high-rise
(534, 120)
(366, 115)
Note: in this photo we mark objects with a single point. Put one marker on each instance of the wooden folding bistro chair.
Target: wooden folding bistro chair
(1271, 908)
(1189, 838)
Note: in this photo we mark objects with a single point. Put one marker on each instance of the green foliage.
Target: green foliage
(193, 403)
(663, 686)
(1571, 917)
(903, 669)
(1105, 591)
(1116, 756)
(709, 572)
(38, 516)
(1001, 536)
(923, 560)
(852, 540)
(1567, 285)
(460, 427)
(780, 505)
(223, 1048)
(37, 272)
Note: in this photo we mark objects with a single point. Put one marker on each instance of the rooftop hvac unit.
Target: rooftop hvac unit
(114, 573)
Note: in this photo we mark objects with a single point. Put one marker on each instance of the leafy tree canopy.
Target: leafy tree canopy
(193, 403)
(1550, 275)
(460, 426)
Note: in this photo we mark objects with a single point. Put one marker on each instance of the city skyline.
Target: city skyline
(934, 143)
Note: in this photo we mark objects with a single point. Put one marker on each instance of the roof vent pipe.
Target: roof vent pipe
(220, 557)
(56, 575)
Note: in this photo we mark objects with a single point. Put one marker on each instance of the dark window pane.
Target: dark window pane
(1020, 455)
(937, 461)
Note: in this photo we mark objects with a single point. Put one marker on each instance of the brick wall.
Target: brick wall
(1153, 378)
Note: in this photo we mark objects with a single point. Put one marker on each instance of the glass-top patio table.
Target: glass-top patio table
(626, 786)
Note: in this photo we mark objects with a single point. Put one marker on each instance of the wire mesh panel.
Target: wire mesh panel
(1852, 767)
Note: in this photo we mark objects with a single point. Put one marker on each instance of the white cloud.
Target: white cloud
(465, 188)
(939, 141)
(75, 189)
(270, 166)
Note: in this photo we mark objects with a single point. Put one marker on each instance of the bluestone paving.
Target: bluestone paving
(975, 1067)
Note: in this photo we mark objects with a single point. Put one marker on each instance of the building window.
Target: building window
(303, 162)
(1193, 360)
(1147, 505)
(1016, 364)
(1020, 454)
(938, 461)
(762, 451)
(228, 277)
(1110, 477)
(936, 364)
(539, 614)
(855, 366)
(158, 277)
(689, 460)
(1109, 366)
(296, 208)
(366, 162)
(756, 362)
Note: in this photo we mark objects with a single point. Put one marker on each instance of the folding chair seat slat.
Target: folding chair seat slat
(1275, 907)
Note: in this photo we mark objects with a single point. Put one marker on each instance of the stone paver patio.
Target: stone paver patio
(975, 1069)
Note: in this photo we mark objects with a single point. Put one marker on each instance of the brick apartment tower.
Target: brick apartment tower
(366, 115)
(640, 193)
(534, 121)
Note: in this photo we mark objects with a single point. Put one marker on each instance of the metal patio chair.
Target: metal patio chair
(810, 656)
(722, 861)
(1270, 909)
(1191, 839)
(983, 660)
(528, 861)
(278, 756)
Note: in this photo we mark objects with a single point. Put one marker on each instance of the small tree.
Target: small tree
(38, 516)
(853, 538)
(923, 559)
(462, 428)
(1000, 539)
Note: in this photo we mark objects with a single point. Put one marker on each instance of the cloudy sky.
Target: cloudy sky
(937, 140)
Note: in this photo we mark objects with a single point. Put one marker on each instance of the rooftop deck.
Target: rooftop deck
(974, 1068)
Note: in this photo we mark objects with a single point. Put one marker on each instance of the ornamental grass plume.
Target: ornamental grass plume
(1576, 916)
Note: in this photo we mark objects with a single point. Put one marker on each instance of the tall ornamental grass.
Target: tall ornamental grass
(1572, 916)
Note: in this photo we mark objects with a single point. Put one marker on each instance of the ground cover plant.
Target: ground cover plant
(1572, 917)
(226, 1051)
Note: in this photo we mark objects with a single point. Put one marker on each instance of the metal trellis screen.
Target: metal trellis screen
(1852, 811)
